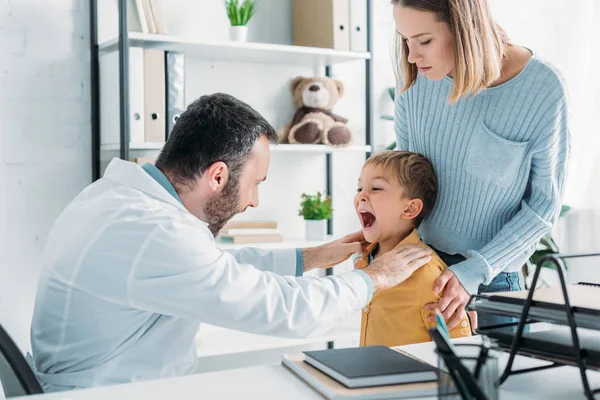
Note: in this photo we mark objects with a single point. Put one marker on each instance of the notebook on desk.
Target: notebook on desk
(332, 389)
(370, 366)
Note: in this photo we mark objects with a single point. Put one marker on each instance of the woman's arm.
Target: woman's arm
(539, 211)
(540, 207)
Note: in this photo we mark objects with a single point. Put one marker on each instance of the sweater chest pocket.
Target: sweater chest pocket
(494, 159)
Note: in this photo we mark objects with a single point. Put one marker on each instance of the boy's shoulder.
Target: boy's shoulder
(434, 268)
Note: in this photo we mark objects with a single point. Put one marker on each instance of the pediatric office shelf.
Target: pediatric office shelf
(263, 53)
(294, 148)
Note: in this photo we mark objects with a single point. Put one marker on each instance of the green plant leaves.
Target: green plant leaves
(392, 92)
(239, 15)
(315, 207)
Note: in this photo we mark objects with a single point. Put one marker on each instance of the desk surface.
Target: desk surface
(274, 381)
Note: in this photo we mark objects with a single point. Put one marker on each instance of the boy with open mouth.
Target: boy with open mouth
(396, 191)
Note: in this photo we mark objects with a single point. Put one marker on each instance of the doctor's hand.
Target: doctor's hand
(395, 266)
(454, 298)
(333, 253)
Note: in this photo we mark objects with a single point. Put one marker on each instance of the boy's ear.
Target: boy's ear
(412, 209)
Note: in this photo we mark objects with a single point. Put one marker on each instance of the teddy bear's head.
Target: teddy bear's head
(317, 92)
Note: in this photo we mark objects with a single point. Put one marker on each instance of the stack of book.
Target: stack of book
(372, 372)
(248, 232)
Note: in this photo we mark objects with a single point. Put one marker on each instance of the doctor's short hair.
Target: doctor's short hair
(414, 172)
(215, 127)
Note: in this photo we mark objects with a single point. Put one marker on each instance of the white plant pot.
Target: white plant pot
(316, 230)
(238, 33)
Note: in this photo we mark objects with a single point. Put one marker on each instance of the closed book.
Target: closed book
(370, 366)
(250, 224)
(249, 232)
(332, 389)
(251, 239)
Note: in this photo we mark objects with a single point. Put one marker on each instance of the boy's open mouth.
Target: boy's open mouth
(367, 219)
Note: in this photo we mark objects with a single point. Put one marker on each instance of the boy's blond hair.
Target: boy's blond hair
(415, 174)
(479, 45)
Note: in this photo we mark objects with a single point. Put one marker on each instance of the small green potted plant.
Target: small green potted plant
(239, 15)
(316, 210)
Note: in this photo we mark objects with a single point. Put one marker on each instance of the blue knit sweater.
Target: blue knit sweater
(501, 160)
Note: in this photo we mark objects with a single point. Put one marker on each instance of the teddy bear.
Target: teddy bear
(313, 122)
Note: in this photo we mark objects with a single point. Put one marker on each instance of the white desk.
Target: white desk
(275, 382)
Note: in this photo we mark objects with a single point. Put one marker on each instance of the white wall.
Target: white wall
(44, 138)
(45, 130)
(547, 27)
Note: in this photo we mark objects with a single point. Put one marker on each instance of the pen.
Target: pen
(442, 323)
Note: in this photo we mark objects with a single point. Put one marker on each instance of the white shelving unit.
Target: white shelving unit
(263, 53)
(211, 340)
(303, 148)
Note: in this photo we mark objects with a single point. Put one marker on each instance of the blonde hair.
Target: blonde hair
(414, 172)
(479, 45)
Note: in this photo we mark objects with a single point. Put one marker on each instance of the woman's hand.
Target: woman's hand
(334, 252)
(454, 298)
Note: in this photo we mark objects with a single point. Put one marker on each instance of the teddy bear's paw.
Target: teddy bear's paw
(308, 133)
(339, 136)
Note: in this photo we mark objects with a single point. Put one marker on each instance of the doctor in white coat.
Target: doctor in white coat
(131, 268)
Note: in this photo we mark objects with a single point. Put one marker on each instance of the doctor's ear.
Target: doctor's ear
(217, 175)
(412, 209)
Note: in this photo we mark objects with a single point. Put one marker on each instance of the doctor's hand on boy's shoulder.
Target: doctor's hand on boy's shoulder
(454, 298)
(397, 265)
(334, 252)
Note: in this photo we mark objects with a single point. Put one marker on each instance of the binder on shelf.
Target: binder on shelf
(175, 72)
(321, 23)
(154, 96)
(140, 14)
(157, 17)
(148, 15)
(358, 25)
(109, 101)
(136, 95)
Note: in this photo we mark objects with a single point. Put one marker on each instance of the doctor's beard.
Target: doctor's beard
(223, 206)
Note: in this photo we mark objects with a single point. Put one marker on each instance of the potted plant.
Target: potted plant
(239, 15)
(316, 210)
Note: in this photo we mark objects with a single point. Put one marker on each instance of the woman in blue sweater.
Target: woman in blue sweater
(492, 118)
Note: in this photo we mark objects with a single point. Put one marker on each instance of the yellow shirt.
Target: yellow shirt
(395, 316)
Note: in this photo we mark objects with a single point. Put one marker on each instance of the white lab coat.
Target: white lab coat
(129, 274)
